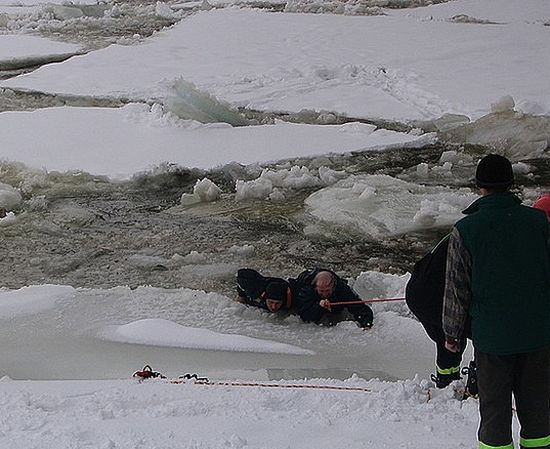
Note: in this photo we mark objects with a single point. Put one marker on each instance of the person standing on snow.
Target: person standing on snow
(424, 297)
(314, 292)
(498, 272)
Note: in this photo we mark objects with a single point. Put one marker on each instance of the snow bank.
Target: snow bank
(21, 50)
(166, 333)
(121, 142)
(349, 8)
(32, 300)
(156, 414)
(509, 11)
(323, 62)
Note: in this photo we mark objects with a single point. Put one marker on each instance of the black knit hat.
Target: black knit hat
(494, 171)
(276, 290)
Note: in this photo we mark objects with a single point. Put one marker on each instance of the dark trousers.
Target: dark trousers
(527, 377)
(444, 358)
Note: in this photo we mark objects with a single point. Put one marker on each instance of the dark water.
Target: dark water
(85, 231)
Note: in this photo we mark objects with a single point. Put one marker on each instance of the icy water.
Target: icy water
(83, 231)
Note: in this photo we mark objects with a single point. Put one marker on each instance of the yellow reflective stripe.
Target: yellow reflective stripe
(535, 442)
(488, 446)
(453, 370)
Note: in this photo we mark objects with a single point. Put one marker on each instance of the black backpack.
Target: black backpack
(424, 292)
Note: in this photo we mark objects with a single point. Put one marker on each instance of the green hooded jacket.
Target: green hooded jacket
(510, 279)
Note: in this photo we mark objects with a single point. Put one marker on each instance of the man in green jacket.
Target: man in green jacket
(498, 274)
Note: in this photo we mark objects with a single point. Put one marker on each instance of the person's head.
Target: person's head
(275, 295)
(543, 203)
(494, 174)
(324, 284)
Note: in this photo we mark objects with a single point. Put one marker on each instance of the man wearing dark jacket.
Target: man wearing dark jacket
(269, 293)
(316, 290)
(498, 272)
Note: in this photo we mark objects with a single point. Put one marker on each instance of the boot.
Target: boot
(471, 381)
(443, 380)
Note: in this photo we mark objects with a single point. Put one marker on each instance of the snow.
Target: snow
(426, 69)
(204, 190)
(530, 11)
(16, 48)
(127, 414)
(269, 182)
(122, 142)
(42, 2)
(32, 300)
(166, 333)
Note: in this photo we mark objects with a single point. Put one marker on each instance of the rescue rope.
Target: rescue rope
(193, 379)
(367, 301)
(271, 385)
(194, 376)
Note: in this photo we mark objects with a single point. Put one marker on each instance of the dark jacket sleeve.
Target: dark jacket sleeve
(362, 313)
(307, 305)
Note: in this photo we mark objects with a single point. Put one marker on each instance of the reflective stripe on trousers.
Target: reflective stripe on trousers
(447, 371)
(487, 446)
(535, 442)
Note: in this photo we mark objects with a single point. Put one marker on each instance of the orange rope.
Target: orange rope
(263, 385)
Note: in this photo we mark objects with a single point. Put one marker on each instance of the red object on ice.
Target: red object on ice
(543, 203)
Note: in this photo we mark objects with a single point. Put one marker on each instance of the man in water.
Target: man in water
(316, 291)
(269, 293)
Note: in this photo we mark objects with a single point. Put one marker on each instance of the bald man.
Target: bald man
(316, 290)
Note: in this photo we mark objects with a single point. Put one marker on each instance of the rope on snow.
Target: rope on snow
(148, 373)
